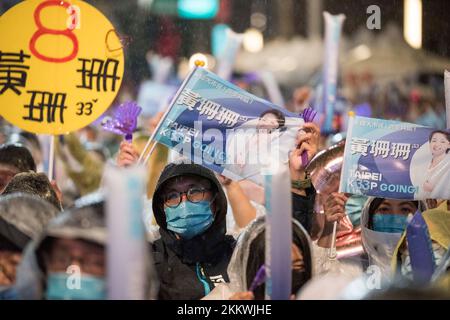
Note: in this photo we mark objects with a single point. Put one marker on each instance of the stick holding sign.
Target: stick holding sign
(218, 125)
(51, 162)
(146, 153)
(332, 253)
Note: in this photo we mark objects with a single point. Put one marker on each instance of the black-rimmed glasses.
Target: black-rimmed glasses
(194, 195)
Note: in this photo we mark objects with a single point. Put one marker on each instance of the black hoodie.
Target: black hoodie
(189, 269)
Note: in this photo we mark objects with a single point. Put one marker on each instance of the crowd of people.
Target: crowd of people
(206, 232)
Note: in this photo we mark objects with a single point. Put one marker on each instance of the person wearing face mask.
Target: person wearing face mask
(193, 253)
(303, 192)
(68, 260)
(249, 256)
(383, 221)
(438, 224)
(22, 219)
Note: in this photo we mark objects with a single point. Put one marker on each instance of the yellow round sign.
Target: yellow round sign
(61, 65)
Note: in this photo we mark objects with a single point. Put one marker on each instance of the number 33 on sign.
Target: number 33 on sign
(61, 65)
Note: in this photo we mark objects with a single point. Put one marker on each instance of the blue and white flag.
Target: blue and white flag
(226, 129)
(397, 160)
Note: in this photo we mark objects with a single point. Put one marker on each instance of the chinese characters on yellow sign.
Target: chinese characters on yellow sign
(61, 65)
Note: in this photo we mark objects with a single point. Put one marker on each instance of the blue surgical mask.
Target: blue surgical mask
(353, 208)
(8, 293)
(390, 223)
(60, 287)
(189, 219)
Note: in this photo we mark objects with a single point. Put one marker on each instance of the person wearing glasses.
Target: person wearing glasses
(193, 253)
(68, 260)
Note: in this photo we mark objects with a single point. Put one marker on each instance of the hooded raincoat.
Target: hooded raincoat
(190, 269)
(438, 223)
(85, 221)
(379, 246)
(22, 219)
(237, 269)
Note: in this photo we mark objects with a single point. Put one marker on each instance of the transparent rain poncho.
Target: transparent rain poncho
(237, 268)
(24, 216)
(85, 221)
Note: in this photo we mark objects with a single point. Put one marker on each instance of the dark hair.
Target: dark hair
(445, 133)
(276, 113)
(257, 255)
(7, 245)
(33, 183)
(17, 156)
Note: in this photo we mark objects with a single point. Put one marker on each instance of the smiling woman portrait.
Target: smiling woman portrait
(436, 184)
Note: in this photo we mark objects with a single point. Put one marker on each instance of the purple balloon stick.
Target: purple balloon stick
(259, 279)
(308, 115)
(124, 121)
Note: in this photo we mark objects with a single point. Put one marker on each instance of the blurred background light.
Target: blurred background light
(253, 40)
(413, 23)
(198, 9)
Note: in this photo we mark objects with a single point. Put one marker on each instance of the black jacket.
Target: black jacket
(189, 269)
(303, 208)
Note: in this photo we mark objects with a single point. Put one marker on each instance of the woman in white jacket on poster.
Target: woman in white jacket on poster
(260, 143)
(436, 184)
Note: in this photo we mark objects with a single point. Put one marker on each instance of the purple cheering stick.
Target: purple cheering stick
(124, 121)
(308, 115)
(259, 279)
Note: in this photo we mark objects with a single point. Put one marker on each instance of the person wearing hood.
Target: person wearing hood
(22, 219)
(302, 191)
(249, 256)
(382, 224)
(14, 159)
(68, 260)
(35, 184)
(438, 223)
(193, 253)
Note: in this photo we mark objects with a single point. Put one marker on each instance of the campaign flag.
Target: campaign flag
(398, 160)
(226, 129)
